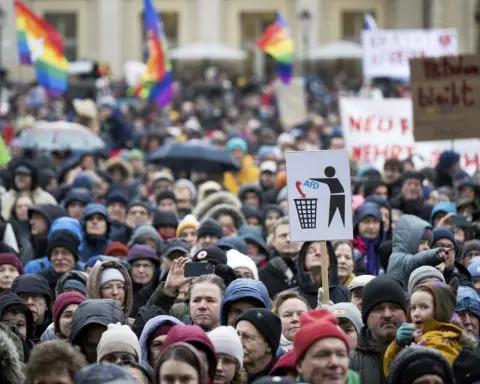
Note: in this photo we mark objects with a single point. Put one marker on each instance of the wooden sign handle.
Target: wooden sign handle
(325, 263)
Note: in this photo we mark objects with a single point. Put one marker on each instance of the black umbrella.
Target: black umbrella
(194, 157)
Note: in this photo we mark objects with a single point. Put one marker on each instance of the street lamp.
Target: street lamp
(305, 19)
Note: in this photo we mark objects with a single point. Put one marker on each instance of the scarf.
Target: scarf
(285, 344)
(371, 254)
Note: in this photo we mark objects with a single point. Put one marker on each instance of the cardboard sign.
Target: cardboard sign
(446, 97)
(376, 130)
(319, 196)
(291, 102)
(386, 52)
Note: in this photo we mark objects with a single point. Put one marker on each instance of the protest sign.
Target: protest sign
(386, 52)
(319, 196)
(446, 97)
(291, 102)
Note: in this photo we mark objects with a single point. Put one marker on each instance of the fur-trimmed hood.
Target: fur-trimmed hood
(235, 212)
(117, 162)
(207, 187)
(223, 197)
(93, 283)
(11, 365)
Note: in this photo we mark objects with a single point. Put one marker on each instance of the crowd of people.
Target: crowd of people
(116, 269)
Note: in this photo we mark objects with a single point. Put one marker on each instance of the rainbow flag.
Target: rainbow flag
(40, 45)
(278, 43)
(157, 81)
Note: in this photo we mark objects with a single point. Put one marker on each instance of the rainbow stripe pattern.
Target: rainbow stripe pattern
(40, 45)
(158, 80)
(278, 43)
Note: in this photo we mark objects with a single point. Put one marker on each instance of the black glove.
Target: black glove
(226, 273)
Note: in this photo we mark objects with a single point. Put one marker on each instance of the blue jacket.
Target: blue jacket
(94, 245)
(442, 206)
(61, 224)
(468, 300)
(149, 328)
(243, 289)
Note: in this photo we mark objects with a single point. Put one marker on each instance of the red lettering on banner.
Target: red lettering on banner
(355, 124)
(372, 124)
(451, 95)
(405, 126)
(446, 67)
(472, 160)
(372, 153)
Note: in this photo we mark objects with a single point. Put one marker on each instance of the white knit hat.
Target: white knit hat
(236, 259)
(111, 274)
(118, 338)
(226, 341)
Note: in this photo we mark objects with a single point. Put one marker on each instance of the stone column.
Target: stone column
(208, 17)
(314, 8)
(110, 34)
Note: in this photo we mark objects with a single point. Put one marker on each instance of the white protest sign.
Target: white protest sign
(386, 53)
(291, 102)
(319, 196)
(376, 130)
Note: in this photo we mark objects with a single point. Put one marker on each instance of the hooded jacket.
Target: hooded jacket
(102, 312)
(94, 245)
(34, 284)
(248, 173)
(39, 196)
(9, 299)
(149, 328)
(226, 209)
(94, 287)
(211, 201)
(442, 206)
(405, 257)
(307, 287)
(144, 232)
(123, 165)
(12, 369)
(253, 236)
(278, 275)
(241, 289)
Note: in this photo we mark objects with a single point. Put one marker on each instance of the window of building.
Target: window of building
(66, 26)
(352, 24)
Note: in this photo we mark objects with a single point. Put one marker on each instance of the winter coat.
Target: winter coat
(307, 287)
(241, 289)
(9, 299)
(12, 369)
(405, 257)
(278, 275)
(144, 232)
(144, 314)
(103, 312)
(120, 232)
(254, 236)
(211, 201)
(21, 229)
(248, 173)
(367, 359)
(460, 273)
(94, 287)
(94, 245)
(446, 338)
(52, 277)
(142, 292)
(118, 131)
(149, 328)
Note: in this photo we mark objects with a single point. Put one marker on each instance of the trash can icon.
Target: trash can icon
(307, 212)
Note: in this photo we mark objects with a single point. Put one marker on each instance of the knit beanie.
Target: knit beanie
(111, 274)
(210, 227)
(428, 235)
(118, 338)
(226, 341)
(382, 289)
(236, 259)
(104, 373)
(471, 245)
(116, 249)
(423, 272)
(163, 218)
(213, 255)
(443, 233)
(444, 300)
(63, 301)
(315, 325)
(267, 323)
(63, 239)
(11, 259)
(348, 311)
(142, 252)
(187, 183)
(474, 267)
(188, 221)
(164, 195)
(448, 158)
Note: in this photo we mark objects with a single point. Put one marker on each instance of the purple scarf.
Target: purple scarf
(372, 259)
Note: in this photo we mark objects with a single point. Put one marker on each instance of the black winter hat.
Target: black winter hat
(166, 195)
(32, 284)
(210, 227)
(382, 289)
(165, 219)
(213, 255)
(117, 196)
(267, 323)
(63, 239)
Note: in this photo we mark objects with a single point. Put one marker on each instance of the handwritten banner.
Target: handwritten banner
(446, 97)
(386, 52)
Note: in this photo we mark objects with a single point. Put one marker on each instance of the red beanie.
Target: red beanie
(63, 301)
(315, 325)
(116, 249)
(11, 259)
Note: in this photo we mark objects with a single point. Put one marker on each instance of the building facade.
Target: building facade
(112, 30)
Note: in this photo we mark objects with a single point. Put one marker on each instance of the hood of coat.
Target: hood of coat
(68, 224)
(408, 233)
(9, 299)
(150, 327)
(226, 209)
(305, 279)
(50, 212)
(365, 210)
(11, 365)
(94, 287)
(222, 197)
(206, 188)
(125, 167)
(92, 209)
(97, 311)
(36, 284)
(254, 236)
(241, 289)
(144, 232)
(23, 162)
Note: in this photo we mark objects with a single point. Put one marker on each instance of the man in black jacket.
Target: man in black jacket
(280, 273)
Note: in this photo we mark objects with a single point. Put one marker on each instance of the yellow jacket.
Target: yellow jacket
(248, 173)
(444, 337)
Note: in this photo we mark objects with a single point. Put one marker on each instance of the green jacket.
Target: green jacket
(352, 378)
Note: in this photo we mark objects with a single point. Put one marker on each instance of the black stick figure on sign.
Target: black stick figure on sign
(337, 194)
